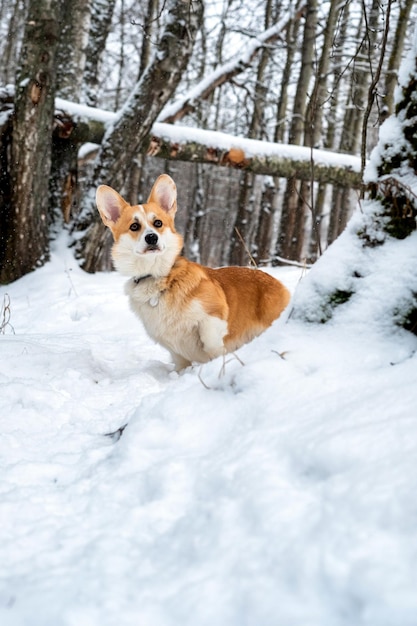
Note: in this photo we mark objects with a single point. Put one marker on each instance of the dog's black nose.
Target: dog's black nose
(151, 239)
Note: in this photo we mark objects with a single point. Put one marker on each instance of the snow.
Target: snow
(393, 140)
(279, 490)
(83, 110)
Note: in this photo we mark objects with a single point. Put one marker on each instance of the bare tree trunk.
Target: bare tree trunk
(28, 234)
(100, 23)
(292, 218)
(134, 177)
(145, 53)
(122, 60)
(71, 56)
(191, 238)
(315, 247)
(216, 218)
(266, 223)
(291, 47)
(322, 218)
(313, 135)
(248, 212)
(9, 47)
(342, 200)
(70, 65)
(246, 217)
(270, 205)
(372, 91)
(123, 141)
(5, 188)
(391, 77)
(320, 94)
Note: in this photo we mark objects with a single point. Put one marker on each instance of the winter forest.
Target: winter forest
(275, 486)
(264, 113)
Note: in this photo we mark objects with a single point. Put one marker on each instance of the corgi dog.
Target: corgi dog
(197, 313)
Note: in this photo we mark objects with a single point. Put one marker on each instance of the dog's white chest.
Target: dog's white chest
(149, 304)
(184, 328)
(161, 321)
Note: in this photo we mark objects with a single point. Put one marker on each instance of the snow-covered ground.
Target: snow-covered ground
(280, 491)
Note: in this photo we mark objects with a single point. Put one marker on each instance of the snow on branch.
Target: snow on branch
(224, 73)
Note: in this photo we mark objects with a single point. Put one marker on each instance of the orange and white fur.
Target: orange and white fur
(196, 312)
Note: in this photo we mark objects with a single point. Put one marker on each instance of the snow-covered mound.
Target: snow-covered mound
(278, 489)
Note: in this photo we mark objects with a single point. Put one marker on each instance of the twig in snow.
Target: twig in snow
(5, 315)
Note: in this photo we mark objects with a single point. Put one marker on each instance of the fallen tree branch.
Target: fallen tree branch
(182, 143)
(259, 157)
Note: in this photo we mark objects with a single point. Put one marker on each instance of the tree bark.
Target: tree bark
(350, 141)
(271, 203)
(27, 236)
(100, 23)
(290, 47)
(71, 53)
(248, 211)
(134, 177)
(5, 189)
(292, 218)
(70, 63)
(145, 52)
(266, 222)
(313, 136)
(10, 44)
(391, 77)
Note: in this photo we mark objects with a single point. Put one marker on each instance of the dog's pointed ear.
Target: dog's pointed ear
(164, 193)
(110, 204)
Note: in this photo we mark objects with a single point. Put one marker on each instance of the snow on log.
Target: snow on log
(184, 143)
(260, 157)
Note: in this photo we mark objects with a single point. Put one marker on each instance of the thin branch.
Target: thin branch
(372, 90)
(252, 260)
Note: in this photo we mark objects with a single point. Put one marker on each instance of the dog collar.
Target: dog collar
(138, 279)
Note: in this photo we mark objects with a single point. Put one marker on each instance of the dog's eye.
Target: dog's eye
(157, 223)
(134, 226)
